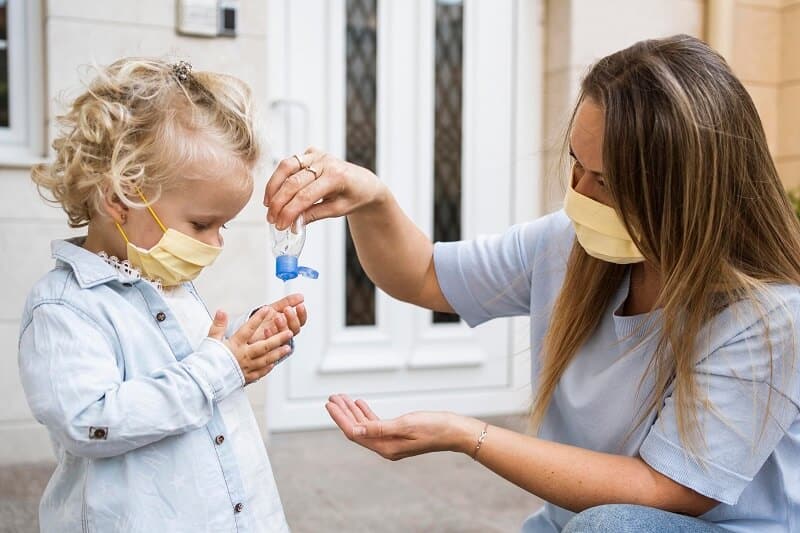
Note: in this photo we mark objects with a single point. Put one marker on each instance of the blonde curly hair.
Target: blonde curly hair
(138, 123)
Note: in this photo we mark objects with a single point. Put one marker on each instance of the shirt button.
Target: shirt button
(161, 316)
(238, 508)
(220, 439)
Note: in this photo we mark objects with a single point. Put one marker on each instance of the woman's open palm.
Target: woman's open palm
(405, 436)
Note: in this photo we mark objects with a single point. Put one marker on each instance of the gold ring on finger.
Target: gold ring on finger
(314, 171)
(299, 161)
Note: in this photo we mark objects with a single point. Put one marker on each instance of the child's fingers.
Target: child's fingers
(268, 328)
(287, 301)
(244, 333)
(218, 326)
(261, 348)
(264, 371)
(255, 375)
(272, 356)
(302, 314)
(292, 320)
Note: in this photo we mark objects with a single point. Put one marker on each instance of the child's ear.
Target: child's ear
(115, 207)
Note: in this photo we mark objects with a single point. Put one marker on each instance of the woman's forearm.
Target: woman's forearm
(575, 478)
(396, 255)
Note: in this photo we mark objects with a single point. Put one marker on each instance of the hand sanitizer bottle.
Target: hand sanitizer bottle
(286, 246)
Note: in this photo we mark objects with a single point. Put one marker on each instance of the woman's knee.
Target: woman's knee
(625, 518)
(600, 519)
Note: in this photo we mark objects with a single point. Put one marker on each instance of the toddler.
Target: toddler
(142, 391)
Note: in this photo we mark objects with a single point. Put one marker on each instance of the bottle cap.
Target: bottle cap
(286, 268)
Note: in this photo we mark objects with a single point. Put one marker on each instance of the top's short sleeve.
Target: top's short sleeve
(490, 277)
(751, 383)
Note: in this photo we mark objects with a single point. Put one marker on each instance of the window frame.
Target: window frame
(23, 141)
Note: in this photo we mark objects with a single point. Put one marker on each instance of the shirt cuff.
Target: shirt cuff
(215, 363)
(706, 477)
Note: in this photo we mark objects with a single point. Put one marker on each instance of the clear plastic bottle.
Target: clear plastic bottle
(286, 247)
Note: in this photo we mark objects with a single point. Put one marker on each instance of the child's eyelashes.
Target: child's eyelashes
(202, 227)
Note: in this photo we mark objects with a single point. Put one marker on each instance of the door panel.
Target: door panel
(404, 356)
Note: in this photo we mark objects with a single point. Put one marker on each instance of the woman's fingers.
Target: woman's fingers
(375, 429)
(283, 213)
(328, 208)
(341, 417)
(289, 189)
(339, 401)
(287, 167)
(355, 410)
(294, 165)
(366, 410)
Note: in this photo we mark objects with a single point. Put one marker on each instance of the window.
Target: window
(448, 99)
(361, 78)
(21, 87)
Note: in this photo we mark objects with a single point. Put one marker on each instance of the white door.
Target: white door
(425, 93)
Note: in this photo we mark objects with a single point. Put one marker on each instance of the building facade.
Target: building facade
(459, 106)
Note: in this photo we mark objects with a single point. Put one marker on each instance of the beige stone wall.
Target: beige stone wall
(788, 106)
(766, 57)
(79, 33)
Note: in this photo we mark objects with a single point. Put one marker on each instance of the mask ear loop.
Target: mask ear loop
(122, 231)
(153, 213)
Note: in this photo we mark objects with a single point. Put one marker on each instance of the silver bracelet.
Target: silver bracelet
(481, 438)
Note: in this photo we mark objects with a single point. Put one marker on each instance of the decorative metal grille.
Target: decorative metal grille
(447, 127)
(361, 54)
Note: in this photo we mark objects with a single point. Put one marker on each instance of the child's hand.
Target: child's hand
(255, 359)
(286, 313)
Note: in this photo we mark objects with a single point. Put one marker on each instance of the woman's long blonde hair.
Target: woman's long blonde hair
(687, 166)
(137, 126)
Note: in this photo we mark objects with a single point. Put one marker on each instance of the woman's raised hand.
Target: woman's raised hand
(404, 436)
(318, 185)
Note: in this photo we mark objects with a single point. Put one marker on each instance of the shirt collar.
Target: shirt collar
(90, 269)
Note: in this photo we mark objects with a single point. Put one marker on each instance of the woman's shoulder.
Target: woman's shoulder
(770, 311)
(550, 236)
(552, 226)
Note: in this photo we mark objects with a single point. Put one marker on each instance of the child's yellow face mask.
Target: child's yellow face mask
(174, 259)
(599, 230)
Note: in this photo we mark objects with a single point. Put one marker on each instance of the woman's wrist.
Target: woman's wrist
(468, 434)
(379, 199)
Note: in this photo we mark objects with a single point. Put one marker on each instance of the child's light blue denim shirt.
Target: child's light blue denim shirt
(131, 408)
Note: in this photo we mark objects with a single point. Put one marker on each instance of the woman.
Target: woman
(662, 302)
